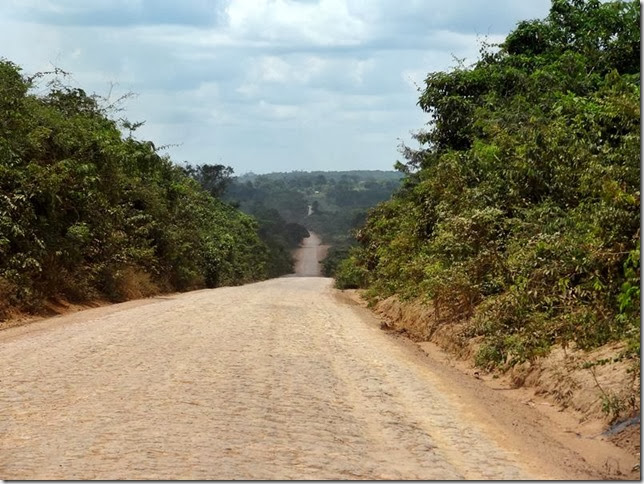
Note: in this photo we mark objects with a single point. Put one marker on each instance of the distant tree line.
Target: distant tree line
(331, 204)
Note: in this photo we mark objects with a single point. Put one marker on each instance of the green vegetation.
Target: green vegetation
(87, 213)
(280, 237)
(520, 211)
(331, 204)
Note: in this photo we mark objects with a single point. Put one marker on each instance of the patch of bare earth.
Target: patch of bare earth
(574, 392)
(51, 308)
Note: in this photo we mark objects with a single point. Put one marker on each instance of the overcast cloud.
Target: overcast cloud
(261, 85)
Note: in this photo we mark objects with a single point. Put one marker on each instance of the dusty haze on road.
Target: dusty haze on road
(309, 256)
(274, 380)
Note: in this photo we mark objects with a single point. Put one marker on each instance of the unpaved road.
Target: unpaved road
(309, 255)
(274, 380)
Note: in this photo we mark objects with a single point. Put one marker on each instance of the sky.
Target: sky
(261, 85)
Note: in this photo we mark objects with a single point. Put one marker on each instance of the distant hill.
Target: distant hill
(324, 201)
(330, 203)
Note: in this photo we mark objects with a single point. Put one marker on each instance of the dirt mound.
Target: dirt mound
(419, 321)
(596, 383)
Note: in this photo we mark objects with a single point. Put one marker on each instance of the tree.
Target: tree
(519, 214)
(215, 179)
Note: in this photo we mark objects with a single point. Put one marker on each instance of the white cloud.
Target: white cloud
(325, 23)
(360, 69)
(261, 84)
(278, 111)
(274, 69)
(277, 69)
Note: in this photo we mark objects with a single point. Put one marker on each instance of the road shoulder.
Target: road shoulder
(521, 419)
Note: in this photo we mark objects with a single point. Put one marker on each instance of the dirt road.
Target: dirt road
(274, 380)
(309, 255)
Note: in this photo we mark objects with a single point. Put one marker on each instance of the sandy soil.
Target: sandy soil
(281, 379)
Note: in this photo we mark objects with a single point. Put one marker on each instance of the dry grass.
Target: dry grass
(7, 293)
(133, 283)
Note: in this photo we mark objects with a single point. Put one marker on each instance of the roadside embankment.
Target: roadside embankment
(597, 389)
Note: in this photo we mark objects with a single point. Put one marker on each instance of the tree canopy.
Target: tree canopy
(86, 212)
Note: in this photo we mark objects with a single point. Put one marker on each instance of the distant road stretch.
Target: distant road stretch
(309, 255)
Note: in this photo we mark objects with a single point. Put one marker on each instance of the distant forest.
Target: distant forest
(89, 212)
(330, 203)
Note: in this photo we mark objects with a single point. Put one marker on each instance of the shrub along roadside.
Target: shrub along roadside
(520, 213)
(86, 212)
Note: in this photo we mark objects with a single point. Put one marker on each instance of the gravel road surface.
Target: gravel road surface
(273, 380)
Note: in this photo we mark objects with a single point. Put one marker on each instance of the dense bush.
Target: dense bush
(520, 213)
(349, 273)
(86, 212)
